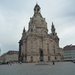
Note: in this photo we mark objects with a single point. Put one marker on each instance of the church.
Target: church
(37, 44)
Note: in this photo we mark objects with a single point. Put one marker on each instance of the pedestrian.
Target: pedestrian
(20, 62)
(53, 63)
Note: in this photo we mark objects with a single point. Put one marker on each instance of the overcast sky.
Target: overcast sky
(15, 14)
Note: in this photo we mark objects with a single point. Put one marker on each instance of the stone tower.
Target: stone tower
(36, 44)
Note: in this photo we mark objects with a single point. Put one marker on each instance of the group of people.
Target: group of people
(10, 63)
(53, 62)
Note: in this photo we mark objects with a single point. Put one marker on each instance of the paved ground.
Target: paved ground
(60, 68)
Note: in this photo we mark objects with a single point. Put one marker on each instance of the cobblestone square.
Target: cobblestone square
(60, 68)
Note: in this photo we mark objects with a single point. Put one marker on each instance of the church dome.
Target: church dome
(37, 20)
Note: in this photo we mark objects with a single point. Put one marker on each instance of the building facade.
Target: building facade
(69, 52)
(36, 44)
(61, 53)
(10, 56)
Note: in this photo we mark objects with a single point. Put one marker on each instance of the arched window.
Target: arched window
(39, 44)
(31, 46)
(54, 51)
(54, 48)
(47, 48)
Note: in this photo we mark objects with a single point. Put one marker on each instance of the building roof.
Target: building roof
(69, 47)
(10, 52)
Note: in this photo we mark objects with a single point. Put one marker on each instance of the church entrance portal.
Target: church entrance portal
(41, 54)
(31, 59)
(48, 58)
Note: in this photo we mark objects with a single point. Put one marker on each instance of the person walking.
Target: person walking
(53, 63)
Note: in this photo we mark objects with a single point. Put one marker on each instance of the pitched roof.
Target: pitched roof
(69, 47)
(12, 52)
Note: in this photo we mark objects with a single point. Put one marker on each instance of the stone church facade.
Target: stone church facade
(36, 44)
